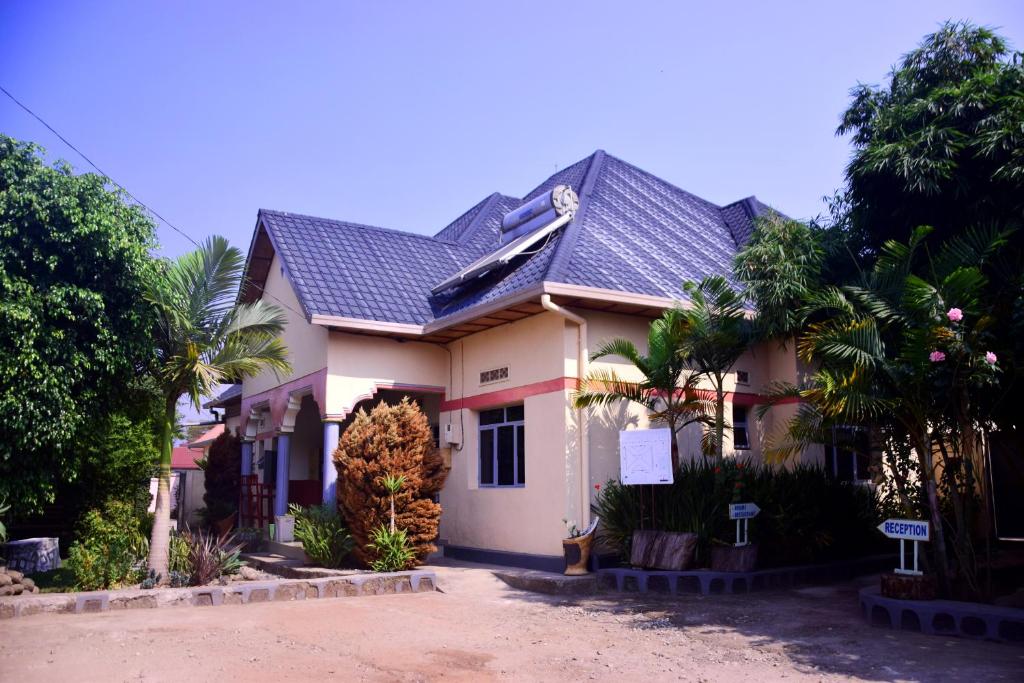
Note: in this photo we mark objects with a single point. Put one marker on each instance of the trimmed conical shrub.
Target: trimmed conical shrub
(390, 440)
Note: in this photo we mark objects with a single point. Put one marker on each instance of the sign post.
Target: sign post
(742, 513)
(906, 530)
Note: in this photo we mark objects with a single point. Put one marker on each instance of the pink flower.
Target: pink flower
(990, 358)
(936, 356)
(955, 315)
(597, 487)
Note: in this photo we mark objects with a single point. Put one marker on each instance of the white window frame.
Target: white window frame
(744, 425)
(834, 447)
(518, 449)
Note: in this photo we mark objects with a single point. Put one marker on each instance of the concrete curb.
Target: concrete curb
(241, 593)
(944, 617)
(708, 582)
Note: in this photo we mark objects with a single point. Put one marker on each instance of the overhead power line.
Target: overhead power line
(80, 153)
(121, 187)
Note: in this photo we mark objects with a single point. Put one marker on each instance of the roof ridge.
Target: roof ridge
(478, 207)
(362, 226)
(484, 211)
(563, 250)
(675, 187)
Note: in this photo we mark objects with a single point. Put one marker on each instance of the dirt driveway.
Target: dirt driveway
(480, 629)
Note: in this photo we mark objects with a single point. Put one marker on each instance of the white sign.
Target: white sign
(743, 510)
(645, 456)
(908, 529)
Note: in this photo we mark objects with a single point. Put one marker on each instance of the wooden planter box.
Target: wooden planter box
(906, 587)
(728, 558)
(669, 550)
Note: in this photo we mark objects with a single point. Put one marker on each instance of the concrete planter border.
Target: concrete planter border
(707, 582)
(944, 617)
(241, 593)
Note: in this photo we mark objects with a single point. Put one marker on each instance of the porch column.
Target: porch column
(332, 432)
(246, 458)
(281, 485)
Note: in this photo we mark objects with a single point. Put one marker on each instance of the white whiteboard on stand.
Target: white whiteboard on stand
(645, 456)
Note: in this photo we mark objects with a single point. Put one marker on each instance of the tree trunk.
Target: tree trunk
(719, 419)
(160, 539)
(932, 496)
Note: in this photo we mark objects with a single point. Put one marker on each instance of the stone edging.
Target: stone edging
(240, 593)
(944, 617)
(708, 582)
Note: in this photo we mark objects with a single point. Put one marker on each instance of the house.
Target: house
(488, 324)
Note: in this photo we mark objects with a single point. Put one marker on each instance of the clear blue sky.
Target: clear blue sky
(403, 114)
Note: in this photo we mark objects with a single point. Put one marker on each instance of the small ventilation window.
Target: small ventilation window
(494, 375)
(742, 377)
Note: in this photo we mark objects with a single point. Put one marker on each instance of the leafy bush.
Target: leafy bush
(222, 469)
(806, 515)
(177, 554)
(210, 558)
(4, 507)
(391, 549)
(110, 548)
(391, 441)
(322, 533)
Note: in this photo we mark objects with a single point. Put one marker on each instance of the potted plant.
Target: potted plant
(576, 548)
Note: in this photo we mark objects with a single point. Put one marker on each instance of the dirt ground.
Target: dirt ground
(480, 629)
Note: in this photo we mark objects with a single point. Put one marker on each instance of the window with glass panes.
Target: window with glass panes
(848, 457)
(740, 431)
(502, 447)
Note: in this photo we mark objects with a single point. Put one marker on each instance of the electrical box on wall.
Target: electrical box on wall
(451, 435)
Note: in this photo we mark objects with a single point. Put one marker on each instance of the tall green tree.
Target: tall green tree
(74, 327)
(779, 267)
(716, 332)
(204, 337)
(941, 143)
(667, 388)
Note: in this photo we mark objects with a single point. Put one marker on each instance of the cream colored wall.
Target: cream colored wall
(356, 364)
(527, 519)
(192, 498)
(307, 442)
(764, 363)
(307, 344)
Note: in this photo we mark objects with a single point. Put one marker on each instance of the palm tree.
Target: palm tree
(716, 333)
(907, 355)
(667, 390)
(204, 337)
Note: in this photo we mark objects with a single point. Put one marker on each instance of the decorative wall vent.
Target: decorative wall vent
(742, 377)
(495, 375)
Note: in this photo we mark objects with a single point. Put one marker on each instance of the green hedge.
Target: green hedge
(806, 515)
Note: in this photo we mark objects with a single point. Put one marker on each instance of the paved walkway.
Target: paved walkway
(478, 628)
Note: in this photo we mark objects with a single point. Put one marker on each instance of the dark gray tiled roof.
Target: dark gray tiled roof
(233, 391)
(633, 233)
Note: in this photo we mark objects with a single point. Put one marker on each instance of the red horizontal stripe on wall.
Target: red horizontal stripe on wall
(511, 395)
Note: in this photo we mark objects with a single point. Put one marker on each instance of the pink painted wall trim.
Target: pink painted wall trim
(277, 398)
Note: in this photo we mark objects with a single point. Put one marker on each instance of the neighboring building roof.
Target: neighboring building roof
(633, 233)
(232, 393)
(207, 437)
(183, 458)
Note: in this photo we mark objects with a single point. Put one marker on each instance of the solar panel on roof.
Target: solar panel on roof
(526, 226)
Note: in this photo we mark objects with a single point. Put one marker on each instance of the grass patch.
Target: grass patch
(60, 580)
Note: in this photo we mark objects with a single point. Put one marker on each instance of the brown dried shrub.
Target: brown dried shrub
(390, 440)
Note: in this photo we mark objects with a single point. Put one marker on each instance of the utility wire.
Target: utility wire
(121, 187)
(98, 169)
